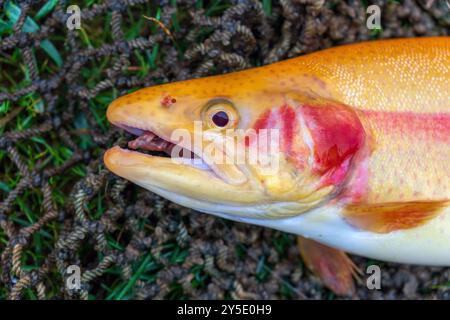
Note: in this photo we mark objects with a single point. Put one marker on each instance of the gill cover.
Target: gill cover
(318, 141)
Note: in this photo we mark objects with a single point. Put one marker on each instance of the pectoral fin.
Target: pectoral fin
(387, 217)
(332, 266)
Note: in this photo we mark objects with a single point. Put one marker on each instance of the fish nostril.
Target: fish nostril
(167, 101)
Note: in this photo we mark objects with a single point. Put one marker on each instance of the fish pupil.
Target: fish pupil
(220, 119)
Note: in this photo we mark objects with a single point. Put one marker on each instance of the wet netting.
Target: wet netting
(60, 207)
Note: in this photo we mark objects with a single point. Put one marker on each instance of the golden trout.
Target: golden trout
(359, 136)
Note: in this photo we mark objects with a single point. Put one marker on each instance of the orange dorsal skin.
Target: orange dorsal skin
(387, 75)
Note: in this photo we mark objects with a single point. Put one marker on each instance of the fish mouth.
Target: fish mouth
(151, 144)
(147, 160)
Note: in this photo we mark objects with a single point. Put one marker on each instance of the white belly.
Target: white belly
(428, 244)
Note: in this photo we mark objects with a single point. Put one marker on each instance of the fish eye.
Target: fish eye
(220, 119)
(220, 114)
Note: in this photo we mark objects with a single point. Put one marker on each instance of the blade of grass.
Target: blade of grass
(13, 13)
(5, 26)
(153, 56)
(4, 187)
(198, 4)
(217, 6)
(52, 52)
(267, 7)
(46, 9)
(134, 278)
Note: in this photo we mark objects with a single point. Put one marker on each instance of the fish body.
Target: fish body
(363, 153)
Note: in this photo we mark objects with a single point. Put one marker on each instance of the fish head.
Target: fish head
(239, 144)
